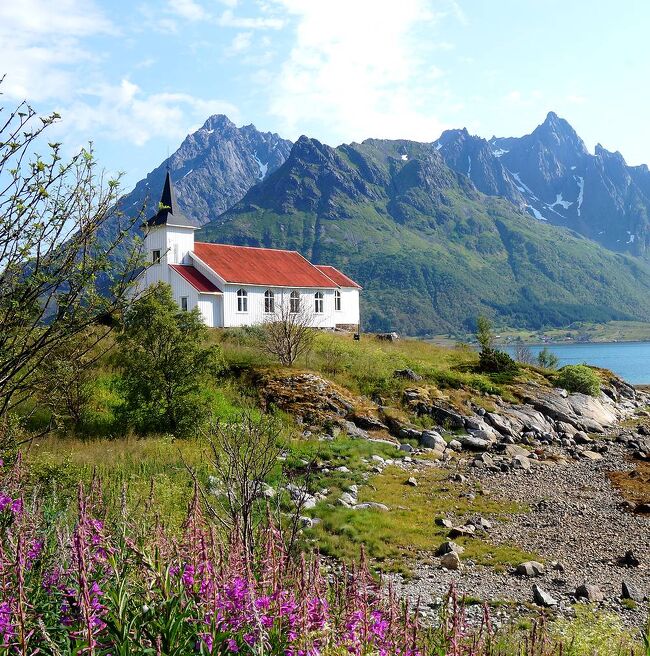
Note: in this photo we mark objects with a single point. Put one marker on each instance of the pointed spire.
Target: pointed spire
(169, 213)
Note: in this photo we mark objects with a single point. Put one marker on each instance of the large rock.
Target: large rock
(543, 598)
(473, 442)
(580, 410)
(371, 505)
(530, 568)
(630, 591)
(591, 593)
(449, 547)
(431, 439)
(407, 374)
(450, 560)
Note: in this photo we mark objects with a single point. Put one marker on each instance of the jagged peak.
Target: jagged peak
(557, 131)
(218, 122)
(602, 152)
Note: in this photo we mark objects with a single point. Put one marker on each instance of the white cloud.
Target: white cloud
(187, 9)
(124, 112)
(359, 69)
(228, 19)
(42, 43)
(240, 43)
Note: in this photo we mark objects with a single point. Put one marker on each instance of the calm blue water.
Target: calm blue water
(630, 360)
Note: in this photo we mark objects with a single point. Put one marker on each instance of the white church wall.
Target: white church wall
(180, 242)
(255, 314)
(349, 312)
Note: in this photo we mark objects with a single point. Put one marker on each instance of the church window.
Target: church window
(269, 302)
(242, 300)
(294, 302)
(155, 257)
(318, 302)
(337, 300)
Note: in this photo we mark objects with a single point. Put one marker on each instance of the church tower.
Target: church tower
(169, 236)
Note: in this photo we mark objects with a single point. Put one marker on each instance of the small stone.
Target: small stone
(455, 445)
(591, 593)
(442, 521)
(451, 561)
(458, 478)
(348, 499)
(582, 438)
(412, 481)
(530, 568)
(542, 598)
(406, 447)
(449, 547)
(343, 469)
(592, 455)
(643, 508)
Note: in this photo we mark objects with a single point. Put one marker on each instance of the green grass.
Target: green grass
(396, 538)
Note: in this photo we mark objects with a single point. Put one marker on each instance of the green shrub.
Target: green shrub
(579, 378)
(493, 361)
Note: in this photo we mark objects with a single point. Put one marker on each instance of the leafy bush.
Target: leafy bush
(579, 378)
(164, 365)
(493, 361)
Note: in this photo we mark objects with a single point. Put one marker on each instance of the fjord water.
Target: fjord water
(630, 360)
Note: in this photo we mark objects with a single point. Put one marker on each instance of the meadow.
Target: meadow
(114, 542)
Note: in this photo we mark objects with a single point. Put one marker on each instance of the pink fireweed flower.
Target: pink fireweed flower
(7, 628)
(34, 552)
(188, 576)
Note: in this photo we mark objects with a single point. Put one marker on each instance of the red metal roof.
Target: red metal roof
(339, 278)
(195, 278)
(261, 266)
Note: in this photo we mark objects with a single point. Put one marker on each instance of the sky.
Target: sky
(136, 76)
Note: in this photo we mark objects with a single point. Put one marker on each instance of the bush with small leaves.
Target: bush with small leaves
(579, 378)
(493, 361)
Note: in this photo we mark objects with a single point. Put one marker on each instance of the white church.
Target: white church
(241, 285)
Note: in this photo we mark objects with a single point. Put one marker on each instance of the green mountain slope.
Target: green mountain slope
(430, 250)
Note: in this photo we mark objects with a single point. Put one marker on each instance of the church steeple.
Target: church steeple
(169, 212)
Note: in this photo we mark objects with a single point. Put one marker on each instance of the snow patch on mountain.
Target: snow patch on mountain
(560, 201)
(405, 158)
(499, 152)
(469, 165)
(536, 213)
(522, 186)
(263, 167)
(581, 190)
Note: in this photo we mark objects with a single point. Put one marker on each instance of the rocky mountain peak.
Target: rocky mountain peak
(558, 134)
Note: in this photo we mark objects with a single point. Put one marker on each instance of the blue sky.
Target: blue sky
(136, 76)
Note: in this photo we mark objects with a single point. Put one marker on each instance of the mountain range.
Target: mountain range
(533, 231)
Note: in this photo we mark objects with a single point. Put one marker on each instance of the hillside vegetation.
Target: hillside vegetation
(431, 252)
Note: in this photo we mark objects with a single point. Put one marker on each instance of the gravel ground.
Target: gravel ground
(576, 518)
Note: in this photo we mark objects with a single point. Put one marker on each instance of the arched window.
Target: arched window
(337, 300)
(269, 302)
(318, 302)
(294, 302)
(242, 300)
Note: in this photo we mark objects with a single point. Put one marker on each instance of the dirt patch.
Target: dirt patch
(634, 485)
